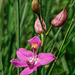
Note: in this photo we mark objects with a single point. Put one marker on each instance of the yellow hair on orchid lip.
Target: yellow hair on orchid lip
(34, 45)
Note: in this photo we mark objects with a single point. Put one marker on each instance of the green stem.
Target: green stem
(64, 63)
(34, 73)
(52, 67)
(1, 40)
(61, 47)
(48, 30)
(73, 35)
(1, 64)
(41, 7)
(41, 20)
(18, 29)
(45, 8)
(42, 40)
(65, 38)
(33, 24)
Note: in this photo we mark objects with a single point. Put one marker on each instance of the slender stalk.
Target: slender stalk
(65, 38)
(43, 70)
(34, 73)
(61, 46)
(18, 29)
(45, 8)
(33, 24)
(64, 63)
(1, 38)
(1, 65)
(41, 20)
(41, 7)
(42, 44)
(73, 35)
(49, 30)
(42, 39)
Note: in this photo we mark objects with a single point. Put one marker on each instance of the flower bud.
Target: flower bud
(60, 19)
(38, 27)
(35, 7)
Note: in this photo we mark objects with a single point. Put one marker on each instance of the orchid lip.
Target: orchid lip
(34, 45)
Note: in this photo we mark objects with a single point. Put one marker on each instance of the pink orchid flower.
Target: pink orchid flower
(31, 61)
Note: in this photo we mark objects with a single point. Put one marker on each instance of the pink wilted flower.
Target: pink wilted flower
(38, 27)
(60, 19)
(30, 60)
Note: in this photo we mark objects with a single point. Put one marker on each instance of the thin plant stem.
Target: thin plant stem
(1, 40)
(18, 29)
(1, 65)
(48, 30)
(41, 20)
(64, 63)
(33, 24)
(65, 38)
(42, 40)
(34, 73)
(41, 7)
(45, 8)
(61, 46)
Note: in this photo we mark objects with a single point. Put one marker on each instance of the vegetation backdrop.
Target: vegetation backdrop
(13, 15)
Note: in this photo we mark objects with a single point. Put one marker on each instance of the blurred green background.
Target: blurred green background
(8, 33)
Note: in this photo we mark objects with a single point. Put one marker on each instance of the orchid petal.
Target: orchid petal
(27, 71)
(35, 40)
(24, 54)
(36, 66)
(45, 58)
(17, 63)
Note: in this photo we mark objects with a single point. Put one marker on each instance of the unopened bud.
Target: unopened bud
(60, 19)
(38, 27)
(35, 7)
